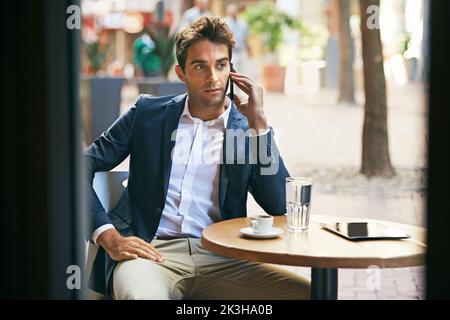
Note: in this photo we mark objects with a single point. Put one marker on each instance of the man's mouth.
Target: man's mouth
(213, 90)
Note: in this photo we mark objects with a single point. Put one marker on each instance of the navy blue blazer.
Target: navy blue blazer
(144, 132)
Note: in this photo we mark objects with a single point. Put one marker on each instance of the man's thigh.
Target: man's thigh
(226, 278)
(145, 279)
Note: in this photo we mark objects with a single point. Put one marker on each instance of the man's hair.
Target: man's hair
(213, 29)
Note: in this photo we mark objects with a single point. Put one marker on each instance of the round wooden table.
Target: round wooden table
(319, 249)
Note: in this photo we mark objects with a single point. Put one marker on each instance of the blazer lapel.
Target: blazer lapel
(173, 112)
(235, 121)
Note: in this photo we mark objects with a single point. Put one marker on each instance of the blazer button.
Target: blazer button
(158, 211)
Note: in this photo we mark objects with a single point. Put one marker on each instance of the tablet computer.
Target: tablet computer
(364, 231)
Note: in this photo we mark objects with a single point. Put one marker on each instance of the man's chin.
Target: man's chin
(214, 101)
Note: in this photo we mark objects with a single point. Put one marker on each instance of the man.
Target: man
(145, 58)
(199, 10)
(177, 184)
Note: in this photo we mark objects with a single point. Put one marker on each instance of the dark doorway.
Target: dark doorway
(438, 252)
(43, 215)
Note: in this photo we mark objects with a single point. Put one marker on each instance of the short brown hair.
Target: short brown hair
(213, 29)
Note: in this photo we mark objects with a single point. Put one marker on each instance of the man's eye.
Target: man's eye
(198, 67)
(222, 65)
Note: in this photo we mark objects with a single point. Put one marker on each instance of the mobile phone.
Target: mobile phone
(231, 84)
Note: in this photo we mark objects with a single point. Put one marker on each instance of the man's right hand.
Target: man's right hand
(127, 248)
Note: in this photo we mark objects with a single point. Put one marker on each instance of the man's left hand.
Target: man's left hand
(253, 107)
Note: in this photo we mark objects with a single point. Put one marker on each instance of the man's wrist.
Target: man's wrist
(107, 237)
(100, 230)
(258, 123)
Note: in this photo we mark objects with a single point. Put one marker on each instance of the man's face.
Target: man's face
(206, 73)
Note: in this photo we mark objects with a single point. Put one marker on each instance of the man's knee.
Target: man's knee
(142, 293)
(140, 280)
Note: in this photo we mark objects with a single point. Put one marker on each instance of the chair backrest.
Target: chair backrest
(109, 187)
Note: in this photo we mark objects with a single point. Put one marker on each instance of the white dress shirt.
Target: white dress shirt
(192, 201)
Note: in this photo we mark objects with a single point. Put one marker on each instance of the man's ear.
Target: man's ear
(179, 72)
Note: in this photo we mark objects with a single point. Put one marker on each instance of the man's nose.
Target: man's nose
(212, 76)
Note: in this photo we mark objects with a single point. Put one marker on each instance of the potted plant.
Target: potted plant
(311, 57)
(160, 85)
(165, 44)
(268, 22)
(97, 52)
(100, 95)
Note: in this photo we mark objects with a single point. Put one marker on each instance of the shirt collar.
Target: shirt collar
(222, 118)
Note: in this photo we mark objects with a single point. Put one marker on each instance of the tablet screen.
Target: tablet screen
(364, 230)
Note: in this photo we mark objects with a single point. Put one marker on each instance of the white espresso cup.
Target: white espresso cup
(262, 224)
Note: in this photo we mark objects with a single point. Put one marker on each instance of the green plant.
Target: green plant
(164, 48)
(404, 43)
(312, 41)
(266, 21)
(97, 53)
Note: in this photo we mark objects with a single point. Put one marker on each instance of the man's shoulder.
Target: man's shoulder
(148, 101)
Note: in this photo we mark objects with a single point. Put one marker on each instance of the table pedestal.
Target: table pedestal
(324, 284)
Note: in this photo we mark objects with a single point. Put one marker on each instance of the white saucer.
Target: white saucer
(250, 233)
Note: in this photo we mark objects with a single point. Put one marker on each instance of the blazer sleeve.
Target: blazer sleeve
(105, 153)
(267, 181)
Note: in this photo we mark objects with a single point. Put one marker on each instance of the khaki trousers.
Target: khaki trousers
(189, 271)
